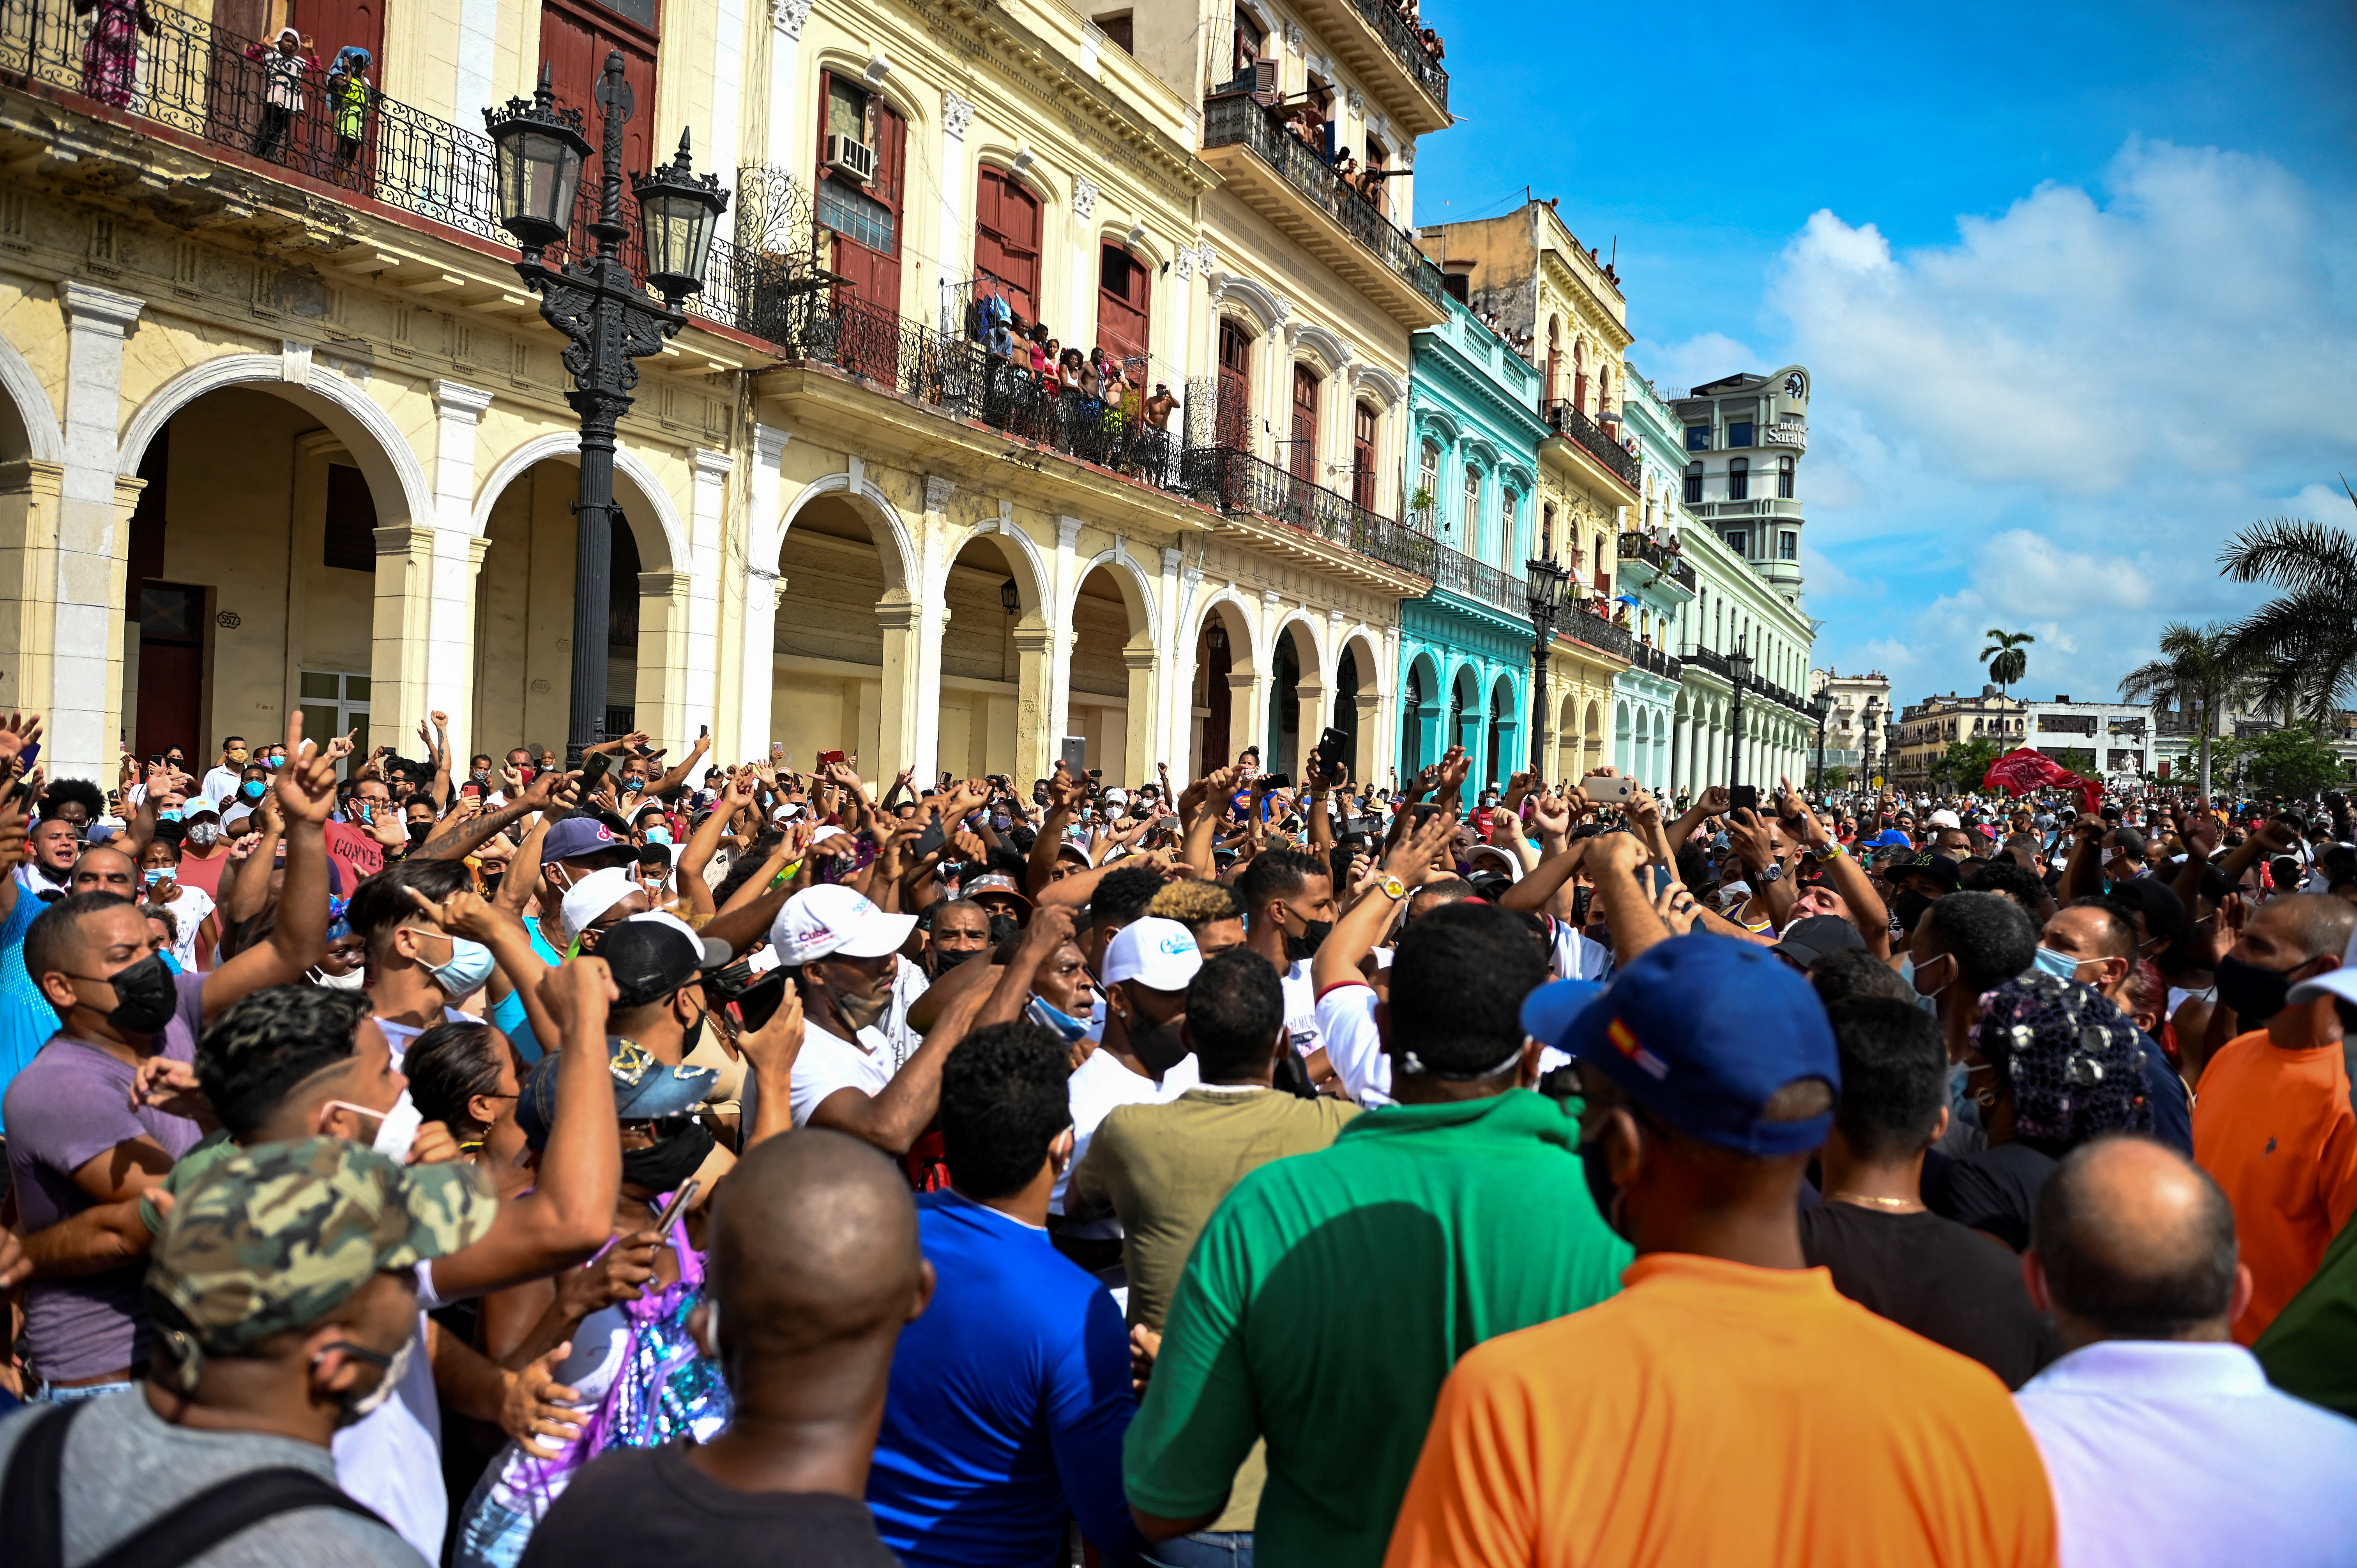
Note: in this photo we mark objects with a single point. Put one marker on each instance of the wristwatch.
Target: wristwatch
(1771, 871)
(1391, 887)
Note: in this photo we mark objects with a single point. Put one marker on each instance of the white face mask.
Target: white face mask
(374, 1400)
(356, 980)
(396, 1128)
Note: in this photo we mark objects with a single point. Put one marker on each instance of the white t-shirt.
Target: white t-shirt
(391, 1459)
(222, 783)
(1578, 956)
(829, 1062)
(909, 982)
(1301, 1008)
(1346, 1023)
(188, 912)
(1103, 1082)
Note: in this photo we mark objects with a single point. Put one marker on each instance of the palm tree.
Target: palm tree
(2007, 663)
(2202, 670)
(2305, 640)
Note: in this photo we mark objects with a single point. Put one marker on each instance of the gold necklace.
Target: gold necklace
(1907, 1205)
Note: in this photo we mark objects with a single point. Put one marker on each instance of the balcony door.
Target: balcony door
(1007, 240)
(337, 25)
(1363, 457)
(576, 36)
(1234, 427)
(864, 217)
(1124, 299)
(1301, 453)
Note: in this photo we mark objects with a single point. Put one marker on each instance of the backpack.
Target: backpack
(32, 1513)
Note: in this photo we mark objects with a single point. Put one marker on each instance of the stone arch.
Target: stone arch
(894, 88)
(1422, 700)
(1299, 682)
(396, 477)
(1333, 356)
(883, 519)
(1024, 564)
(1504, 718)
(1113, 665)
(28, 426)
(1439, 424)
(1389, 390)
(1222, 681)
(997, 666)
(650, 502)
(1137, 590)
(1250, 303)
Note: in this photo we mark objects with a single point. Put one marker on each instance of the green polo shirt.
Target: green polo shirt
(2311, 1349)
(1331, 1294)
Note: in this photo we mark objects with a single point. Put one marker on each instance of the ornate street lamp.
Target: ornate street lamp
(1869, 728)
(1738, 675)
(1822, 705)
(1544, 580)
(602, 310)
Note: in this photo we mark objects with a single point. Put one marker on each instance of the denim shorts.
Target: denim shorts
(1204, 1549)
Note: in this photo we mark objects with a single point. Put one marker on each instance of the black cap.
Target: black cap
(1932, 863)
(1807, 940)
(653, 955)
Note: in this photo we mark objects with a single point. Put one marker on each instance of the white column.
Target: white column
(726, 108)
(1065, 584)
(477, 62)
(458, 556)
(933, 562)
(758, 651)
(786, 19)
(85, 657)
(1083, 317)
(700, 704)
(1177, 670)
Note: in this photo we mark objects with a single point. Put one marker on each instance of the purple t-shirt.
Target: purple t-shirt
(71, 1104)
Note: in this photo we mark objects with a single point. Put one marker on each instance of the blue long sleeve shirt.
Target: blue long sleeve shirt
(1008, 1402)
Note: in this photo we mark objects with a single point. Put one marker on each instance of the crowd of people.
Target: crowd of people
(526, 1164)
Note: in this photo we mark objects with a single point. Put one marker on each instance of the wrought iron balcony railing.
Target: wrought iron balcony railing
(1566, 420)
(1461, 574)
(1709, 659)
(1667, 562)
(1241, 482)
(1237, 119)
(1584, 625)
(1407, 43)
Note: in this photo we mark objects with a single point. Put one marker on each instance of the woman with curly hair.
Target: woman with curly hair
(2052, 1065)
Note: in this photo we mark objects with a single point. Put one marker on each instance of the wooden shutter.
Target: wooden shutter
(1006, 239)
(1235, 387)
(1302, 455)
(1122, 320)
(1362, 458)
(873, 274)
(576, 36)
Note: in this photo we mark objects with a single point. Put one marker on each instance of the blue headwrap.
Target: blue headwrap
(353, 59)
(338, 923)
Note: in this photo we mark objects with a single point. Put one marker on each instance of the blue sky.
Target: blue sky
(2077, 283)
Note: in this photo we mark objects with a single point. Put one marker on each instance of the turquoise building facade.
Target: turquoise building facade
(1474, 431)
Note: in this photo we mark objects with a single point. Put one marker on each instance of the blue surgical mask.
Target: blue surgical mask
(468, 967)
(253, 788)
(1907, 973)
(168, 813)
(170, 962)
(659, 835)
(2060, 965)
(273, 761)
(1069, 1029)
(154, 875)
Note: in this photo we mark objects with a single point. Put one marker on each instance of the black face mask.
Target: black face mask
(1306, 945)
(945, 961)
(2255, 994)
(1908, 907)
(662, 1167)
(695, 1033)
(1598, 1177)
(145, 996)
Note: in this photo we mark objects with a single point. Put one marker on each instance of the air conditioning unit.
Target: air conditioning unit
(851, 158)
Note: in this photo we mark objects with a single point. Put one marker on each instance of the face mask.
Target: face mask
(167, 814)
(1907, 973)
(204, 834)
(253, 788)
(945, 961)
(396, 1366)
(2255, 994)
(271, 761)
(237, 754)
(171, 963)
(396, 1128)
(1306, 945)
(1909, 906)
(482, 776)
(2060, 965)
(659, 835)
(694, 1032)
(862, 1011)
(663, 1166)
(468, 967)
(1599, 1177)
(356, 980)
(154, 874)
(145, 996)
(1067, 1029)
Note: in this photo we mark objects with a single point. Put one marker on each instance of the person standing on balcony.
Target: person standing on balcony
(347, 89)
(283, 64)
(110, 55)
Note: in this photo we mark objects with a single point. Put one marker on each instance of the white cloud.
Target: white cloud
(2052, 424)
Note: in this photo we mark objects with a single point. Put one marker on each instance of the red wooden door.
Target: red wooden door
(171, 667)
(1302, 453)
(337, 25)
(1362, 458)
(1123, 313)
(1007, 241)
(866, 220)
(575, 36)
(1235, 387)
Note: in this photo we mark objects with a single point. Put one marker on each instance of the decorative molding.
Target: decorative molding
(1183, 263)
(101, 309)
(937, 492)
(1319, 65)
(787, 17)
(1357, 102)
(456, 400)
(1293, 38)
(294, 362)
(769, 444)
(1084, 197)
(878, 68)
(713, 465)
(1407, 155)
(1091, 41)
(956, 115)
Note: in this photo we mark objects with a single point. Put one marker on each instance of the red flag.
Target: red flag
(2020, 772)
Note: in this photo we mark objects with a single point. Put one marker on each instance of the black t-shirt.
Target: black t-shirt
(650, 1507)
(1937, 1278)
(1993, 1190)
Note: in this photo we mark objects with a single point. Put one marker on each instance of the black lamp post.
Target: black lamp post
(1822, 705)
(603, 310)
(1870, 725)
(1738, 675)
(1545, 580)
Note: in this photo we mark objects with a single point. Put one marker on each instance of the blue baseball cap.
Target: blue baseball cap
(1702, 1031)
(579, 838)
(645, 1089)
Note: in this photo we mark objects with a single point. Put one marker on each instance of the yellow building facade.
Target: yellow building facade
(282, 428)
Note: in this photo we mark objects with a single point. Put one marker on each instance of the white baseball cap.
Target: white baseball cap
(594, 894)
(832, 920)
(1942, 820)
(1158, 954)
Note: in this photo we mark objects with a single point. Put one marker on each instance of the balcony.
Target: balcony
(1584, 625)
(1461, 574)
(1565, 419)
(1282, 178)
(1237, 481)
(1710, 660)
(1769, 507)
(1655, 660)
(203, 88)
(1382, 47)
(1664, 562)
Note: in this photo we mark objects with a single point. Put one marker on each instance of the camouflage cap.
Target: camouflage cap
(277, 1236)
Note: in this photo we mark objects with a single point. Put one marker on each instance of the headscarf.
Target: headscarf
(2071, 1059)
(353, 59)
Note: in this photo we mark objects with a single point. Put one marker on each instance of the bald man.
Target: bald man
(2163, 1443)
(814, 1268)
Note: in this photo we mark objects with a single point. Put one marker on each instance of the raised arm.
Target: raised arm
(306, 792)
(1363, 925)
(463, 836)
(1612, 860)
(674, 777)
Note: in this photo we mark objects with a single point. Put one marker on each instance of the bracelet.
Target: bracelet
(785, 874)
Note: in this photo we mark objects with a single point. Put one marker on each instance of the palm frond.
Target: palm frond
(2292, 553)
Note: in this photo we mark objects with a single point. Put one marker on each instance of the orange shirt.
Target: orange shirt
(2274, 1129)
(1713, 1413)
